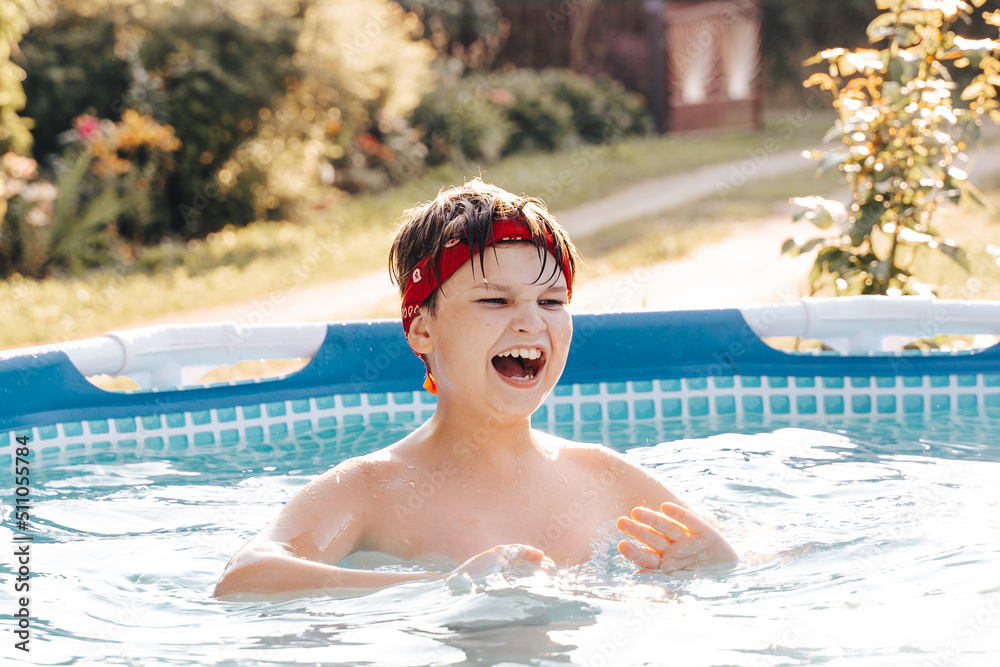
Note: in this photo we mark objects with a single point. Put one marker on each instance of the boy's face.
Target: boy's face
(501, 337)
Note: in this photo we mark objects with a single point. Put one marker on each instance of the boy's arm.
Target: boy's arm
(322, 524)
(264, 566)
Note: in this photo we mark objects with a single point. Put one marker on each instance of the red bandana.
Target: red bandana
(423, 280)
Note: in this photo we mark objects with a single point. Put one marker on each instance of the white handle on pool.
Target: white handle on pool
(173, 355)
(868, 323)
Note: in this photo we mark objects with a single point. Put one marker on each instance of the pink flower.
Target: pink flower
(501, 97)
(87, 128)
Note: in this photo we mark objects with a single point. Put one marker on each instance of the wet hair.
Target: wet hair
(466, 213)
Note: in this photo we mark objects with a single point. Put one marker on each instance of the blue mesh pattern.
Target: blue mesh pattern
(666, 399)
(687, 398)
(665, 414)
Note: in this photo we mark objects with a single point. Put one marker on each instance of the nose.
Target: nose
(528, 318)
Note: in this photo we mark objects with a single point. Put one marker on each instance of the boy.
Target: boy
(485, 277)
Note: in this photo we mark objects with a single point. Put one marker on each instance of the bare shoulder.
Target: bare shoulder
(353, 471)
(611, 470)
(357, 475)
(588, 455)
(329, 517)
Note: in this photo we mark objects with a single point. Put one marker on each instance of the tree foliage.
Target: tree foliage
(268, 99)
(792, 30)
(467, 32)
(14, 131)
(901, 139)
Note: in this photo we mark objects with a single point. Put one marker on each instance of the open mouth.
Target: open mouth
(520, 364)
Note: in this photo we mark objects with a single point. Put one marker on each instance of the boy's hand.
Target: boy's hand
(677, 539)
(501, 558)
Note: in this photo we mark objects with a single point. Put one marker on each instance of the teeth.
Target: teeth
(523, 352)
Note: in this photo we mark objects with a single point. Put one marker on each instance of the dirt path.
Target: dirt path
(745, 267)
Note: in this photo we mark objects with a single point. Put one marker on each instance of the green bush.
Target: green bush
(211, 75)
(200, 70)
(602, 109)
(541, 120)
(460, 121)
(389, 153)
(483, 116)
(268, 99)
(342, 119)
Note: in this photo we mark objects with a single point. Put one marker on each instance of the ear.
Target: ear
(419, 337)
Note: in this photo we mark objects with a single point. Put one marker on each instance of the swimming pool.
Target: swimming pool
(860, 490)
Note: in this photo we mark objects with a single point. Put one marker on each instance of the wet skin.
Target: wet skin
(475, 485)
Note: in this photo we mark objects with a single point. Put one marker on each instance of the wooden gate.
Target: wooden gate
(712, 73)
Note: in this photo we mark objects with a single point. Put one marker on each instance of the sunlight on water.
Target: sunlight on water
(866, 542)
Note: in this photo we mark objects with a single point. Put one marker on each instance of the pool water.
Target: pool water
(864, 543)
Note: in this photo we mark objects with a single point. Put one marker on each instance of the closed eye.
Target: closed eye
(495, 301)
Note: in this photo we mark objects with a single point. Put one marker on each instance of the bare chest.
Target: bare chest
(463, 519)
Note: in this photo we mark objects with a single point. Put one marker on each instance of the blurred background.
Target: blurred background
(172, 160)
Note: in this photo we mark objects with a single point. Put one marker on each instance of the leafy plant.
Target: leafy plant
(109, 181)
(14, 130)
(76, 217)
(25, 202)
(51, 223)
(901, 139)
